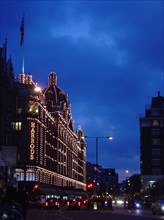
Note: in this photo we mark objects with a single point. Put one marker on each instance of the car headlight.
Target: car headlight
(162, 207)
(137, 205)
(120, 202)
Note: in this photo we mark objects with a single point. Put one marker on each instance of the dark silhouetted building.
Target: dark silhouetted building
(6, 97)
(7, 104)
(152, 143)
(105, 178)
(133, 184)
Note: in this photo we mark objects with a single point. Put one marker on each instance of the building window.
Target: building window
(155, 113)
(19, 111)
(156, 162)
(16, 126)
(19, 174)
(155, 123)
(156, 141)
(151, 183)
(155, 132)
(30, 175)
(156, 171)
(155, 151)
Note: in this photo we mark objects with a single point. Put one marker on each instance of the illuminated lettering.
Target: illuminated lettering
(32, 142)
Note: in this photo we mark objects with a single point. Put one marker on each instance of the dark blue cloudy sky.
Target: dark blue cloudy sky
(109, 58)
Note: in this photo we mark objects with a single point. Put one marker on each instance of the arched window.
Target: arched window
(30, 175)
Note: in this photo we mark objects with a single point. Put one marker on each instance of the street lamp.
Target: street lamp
(97, 138)
(129, 172)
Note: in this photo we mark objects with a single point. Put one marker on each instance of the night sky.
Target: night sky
(108, 57)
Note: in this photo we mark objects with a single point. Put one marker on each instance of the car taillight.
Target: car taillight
(56, 203)
(68, 203)
(79, 203)
(46, 204)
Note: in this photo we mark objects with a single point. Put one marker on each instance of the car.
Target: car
(118, 202)
(158, 207)
(73, 203)
(52, 203)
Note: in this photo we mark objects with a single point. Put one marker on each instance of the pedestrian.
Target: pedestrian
(43, 201)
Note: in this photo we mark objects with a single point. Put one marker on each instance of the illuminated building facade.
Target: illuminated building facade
(49, 151)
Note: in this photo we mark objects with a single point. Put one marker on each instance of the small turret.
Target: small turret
(22, 78)
(29, 79)
(52, 79)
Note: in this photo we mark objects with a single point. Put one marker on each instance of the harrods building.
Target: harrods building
(49, 151)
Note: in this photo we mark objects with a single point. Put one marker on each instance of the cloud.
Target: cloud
(108, 56)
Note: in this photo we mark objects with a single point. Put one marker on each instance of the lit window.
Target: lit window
(30, 175)
(16, 126)
(155, 123)
(33, 108)
(151, 182)
(19, 174)
(19, 111)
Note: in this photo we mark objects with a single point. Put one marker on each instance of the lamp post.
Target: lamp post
(97, 138)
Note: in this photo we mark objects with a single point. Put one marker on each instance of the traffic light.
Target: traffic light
(36, 186)
(90, 186)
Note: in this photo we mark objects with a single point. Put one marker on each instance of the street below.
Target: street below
(40, 214)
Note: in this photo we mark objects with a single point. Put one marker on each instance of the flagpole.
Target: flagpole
(22, 42)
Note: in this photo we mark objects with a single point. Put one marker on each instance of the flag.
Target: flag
(22, 32)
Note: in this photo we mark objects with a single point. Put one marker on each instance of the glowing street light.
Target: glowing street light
(129, 172)
(97, 138)
(37, 89)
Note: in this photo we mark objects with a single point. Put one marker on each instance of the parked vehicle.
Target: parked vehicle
(12, 210)
(73, 203)
(52, 203)
(158, 207)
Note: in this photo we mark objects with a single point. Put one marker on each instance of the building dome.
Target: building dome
(56, 99)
